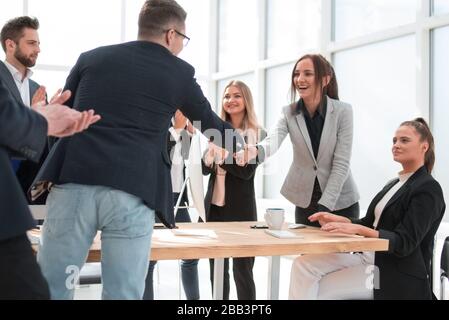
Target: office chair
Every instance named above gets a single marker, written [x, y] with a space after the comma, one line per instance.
[444, 267]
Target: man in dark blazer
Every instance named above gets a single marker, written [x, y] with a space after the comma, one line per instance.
[23, 132]
[20, 41]
[116, 176]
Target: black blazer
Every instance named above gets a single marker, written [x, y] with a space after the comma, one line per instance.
[136, 87]
[240, 198]
[28, 169]
[186, 140]
[409, 221]
[22, 132]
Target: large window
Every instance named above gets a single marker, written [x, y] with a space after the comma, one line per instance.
[277, 96]
[383, 68]
[12, 10]
[51, 79]
[7, 12]
[293, 26]
[132, 10]
[440, 114]
[379, 82]
[238, 34]
[440, 7]
[197, 51]
[356, 18]
[90, 24]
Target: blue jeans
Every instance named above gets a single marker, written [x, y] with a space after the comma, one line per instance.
[75, 213]
[189, 268]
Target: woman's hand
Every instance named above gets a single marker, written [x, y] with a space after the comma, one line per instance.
[220, 154]
[350, 228]
[341, 227]
[326, 217]
[215, 155]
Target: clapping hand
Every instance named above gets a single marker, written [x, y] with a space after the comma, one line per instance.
[63, 121]
[40, 97]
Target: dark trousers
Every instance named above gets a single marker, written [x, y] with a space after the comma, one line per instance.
[189, 278]
[189, 268]
[243, 278]
[20, 275]
[241, 267]
[302, 214]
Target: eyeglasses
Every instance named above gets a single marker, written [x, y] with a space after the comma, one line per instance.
[186, 39]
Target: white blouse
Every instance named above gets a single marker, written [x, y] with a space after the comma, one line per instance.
[387, 197]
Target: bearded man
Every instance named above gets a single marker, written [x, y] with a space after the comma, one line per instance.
[20, 41]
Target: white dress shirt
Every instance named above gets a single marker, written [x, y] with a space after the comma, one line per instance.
[387, 197]
[177, 167]
[22, 85]
[369, 255]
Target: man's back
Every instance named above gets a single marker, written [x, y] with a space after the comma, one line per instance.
[136, 87]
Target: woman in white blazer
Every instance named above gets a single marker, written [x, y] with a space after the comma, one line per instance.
[321, 131]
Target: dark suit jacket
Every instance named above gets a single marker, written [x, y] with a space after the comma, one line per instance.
[409, 221]
[186, 140]
[28, 169]
[136, 87]
[23, 132]
[240, 198]
[182, 214]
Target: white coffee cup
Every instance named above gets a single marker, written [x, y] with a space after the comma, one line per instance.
[274, 217]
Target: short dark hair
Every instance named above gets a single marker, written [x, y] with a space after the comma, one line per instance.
[157, 15]
[13, 29]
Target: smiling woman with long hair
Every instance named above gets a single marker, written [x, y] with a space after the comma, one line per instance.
[230, 194]
[320, 127]
[407, 212]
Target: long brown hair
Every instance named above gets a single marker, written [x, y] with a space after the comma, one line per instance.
[250, 119]
[323, 68]
[422, 128]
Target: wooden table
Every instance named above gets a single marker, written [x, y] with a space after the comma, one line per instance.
[237, 239]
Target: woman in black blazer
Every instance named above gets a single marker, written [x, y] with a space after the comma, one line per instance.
[407, 212]
[230, 194]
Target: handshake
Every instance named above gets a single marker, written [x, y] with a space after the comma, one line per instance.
[245, 156]
[217, 155]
